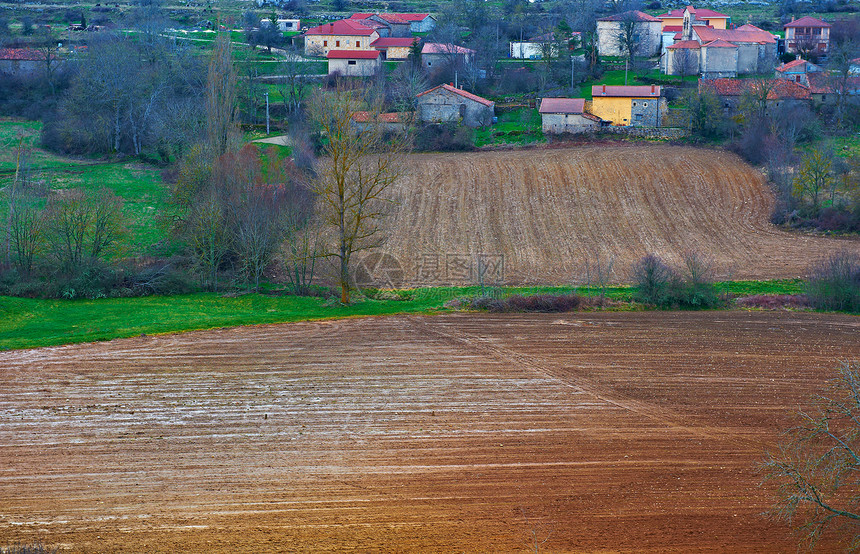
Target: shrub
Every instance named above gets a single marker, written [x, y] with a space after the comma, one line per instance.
[834, 283]
[517, 303]
[773, 301]
[656, 282]
[444, 137]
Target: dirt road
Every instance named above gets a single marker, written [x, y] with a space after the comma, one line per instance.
[591, 432]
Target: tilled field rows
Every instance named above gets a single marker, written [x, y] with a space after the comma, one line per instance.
[541, 213]
[628, 431]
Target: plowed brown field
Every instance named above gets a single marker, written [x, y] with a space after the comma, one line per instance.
[545, 210]
[613, 432]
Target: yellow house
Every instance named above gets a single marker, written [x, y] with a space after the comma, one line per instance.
[346, 34]
[637, 106]
[674, 19]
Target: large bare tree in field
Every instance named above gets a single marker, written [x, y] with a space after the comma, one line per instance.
[816, 467]
[361, 163]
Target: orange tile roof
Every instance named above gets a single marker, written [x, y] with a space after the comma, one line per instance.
[779, 88]
[388, 42]
[807, 21]
[745, 33]
[685, 45]
[22, 54]
[459, 91]
[390, 117]
[719, 43]
[440, 48]
[352, 54]
[702, 13]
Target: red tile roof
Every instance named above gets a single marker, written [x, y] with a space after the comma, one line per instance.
[562, 105]
[461, 92]
[822, 83]
[440, 48]
[673, 28]
[631, 15]
[388, 42]
[352, 54]
[22, 54]
[646, 91]
[372, 23]
[344, 27]
[745, 33]
[806, 21]
[790, 65]
[700, 13]
[406, 17]
[685, 45]
[779, 88]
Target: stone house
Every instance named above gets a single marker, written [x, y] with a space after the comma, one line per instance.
[419, 22]
[446, 103]
[637, 106]
[807, 34]
[566, 115]
[730, 91]
[21, 62]
[416, 22]
[435, 55]
[397, 26]
[354, 63]
[345, 34]
[673, 20]
[647, 31]
[797, 71]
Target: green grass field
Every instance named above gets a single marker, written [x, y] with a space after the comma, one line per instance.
[30, 323]
[521, 126]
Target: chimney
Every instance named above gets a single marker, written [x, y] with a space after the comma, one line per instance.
[653, 89]
[604, 89]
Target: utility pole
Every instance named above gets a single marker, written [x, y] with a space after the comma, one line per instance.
[267, 113]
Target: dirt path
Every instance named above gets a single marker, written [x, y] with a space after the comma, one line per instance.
[534, 216]
[607, 431]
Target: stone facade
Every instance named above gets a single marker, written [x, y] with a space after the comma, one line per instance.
[446, 103]
[647, 30]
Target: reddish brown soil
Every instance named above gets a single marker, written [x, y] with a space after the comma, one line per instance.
[480, 433]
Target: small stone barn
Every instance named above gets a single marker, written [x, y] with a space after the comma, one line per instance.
[354, 63]
[566, 115]
[448, 103]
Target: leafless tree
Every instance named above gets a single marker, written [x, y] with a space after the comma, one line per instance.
[684, 62]
[291, 84]
[352, 185]
[221, 130]
[815, 467]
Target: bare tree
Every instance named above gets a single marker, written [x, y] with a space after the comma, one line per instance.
[352, 186]
[816, 466]
[684, 62]
[221, 128]
[291, 84]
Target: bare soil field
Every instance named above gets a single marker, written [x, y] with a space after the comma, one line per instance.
[584, 432]
[538, 214]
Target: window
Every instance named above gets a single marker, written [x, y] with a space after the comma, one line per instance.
[350, 62]
[797, 78]
[358, 44]
[337, 44]
[644, 104]
[325, 43]
[634, 103]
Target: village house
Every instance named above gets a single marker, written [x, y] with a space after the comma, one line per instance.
[345, 34]
[446, 103]
[797, 71]
[637, 106]
[807, 35]
[673, 21]
[394, 48]
[436, 55]
[22, 62]
[778, 91]
[390, 121]
[646, 32]
[396, 25]
[418, 22]
[354, 63]
[566, 115]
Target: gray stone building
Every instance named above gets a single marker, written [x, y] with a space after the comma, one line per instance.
[566, 115]
[646, 34]
[354, 63]
[446, 103]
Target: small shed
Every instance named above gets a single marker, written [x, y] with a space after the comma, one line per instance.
[354, 63]
[448, 103]
[394, 48]
[566, 115]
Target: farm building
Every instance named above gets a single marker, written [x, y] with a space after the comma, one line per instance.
[417, 22]
[647, 31]
[394, 48]
[284, 25]
[797, 71]
[447, 103]
[21, 61]
[391, 121]
[566, 115]
[436, 55]
[345, 34]
[807, 34]
[637, 106]
[354, 63]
